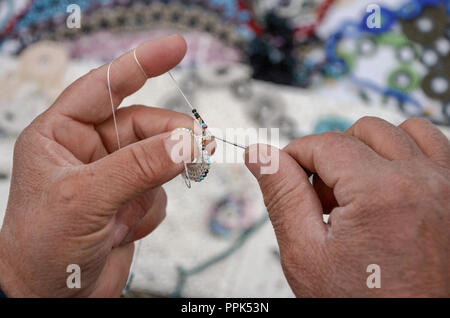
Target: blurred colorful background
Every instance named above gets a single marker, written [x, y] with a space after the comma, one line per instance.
[304, 66]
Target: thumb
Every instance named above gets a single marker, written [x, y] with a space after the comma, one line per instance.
[293, 205]
[132, 170]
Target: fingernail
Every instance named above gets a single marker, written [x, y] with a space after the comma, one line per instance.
[119, 234]
[179, 145]
[251, 160]
[259, 162]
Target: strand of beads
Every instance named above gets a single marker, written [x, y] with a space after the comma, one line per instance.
[199, 171]
[196, 171]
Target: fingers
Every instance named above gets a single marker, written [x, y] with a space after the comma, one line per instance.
[325, 195]
[114, 275]
[433, 143]
[335, 157]
[136, 123]
[129, 172]
[293, 206]
[87, 100]
[384, 138]
[152, 219]
[151, 206]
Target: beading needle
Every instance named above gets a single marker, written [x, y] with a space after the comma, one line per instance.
[230, 143]
[192, 107]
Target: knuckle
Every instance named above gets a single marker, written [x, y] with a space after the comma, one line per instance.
[95, 77]
[334, 141]
[366, 126]
[90, 77]
[413, 122]
[91, 73]
[176, 118]
[327, 140]
[399, 191]
[95, 73]
[331, 137]
[366, 120]
[437, 185]
[400, 182]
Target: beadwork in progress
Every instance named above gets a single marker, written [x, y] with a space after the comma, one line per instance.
[196, 171]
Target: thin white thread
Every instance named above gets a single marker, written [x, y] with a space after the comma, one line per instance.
[108, 76]
[187, 179]
[139, 64]
[112, 104]
[181, 92]
[192, 107]
[186, 172]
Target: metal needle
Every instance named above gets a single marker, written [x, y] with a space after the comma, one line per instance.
[230, 143]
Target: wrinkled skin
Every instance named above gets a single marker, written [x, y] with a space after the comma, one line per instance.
[387, 190]
[74, 198]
